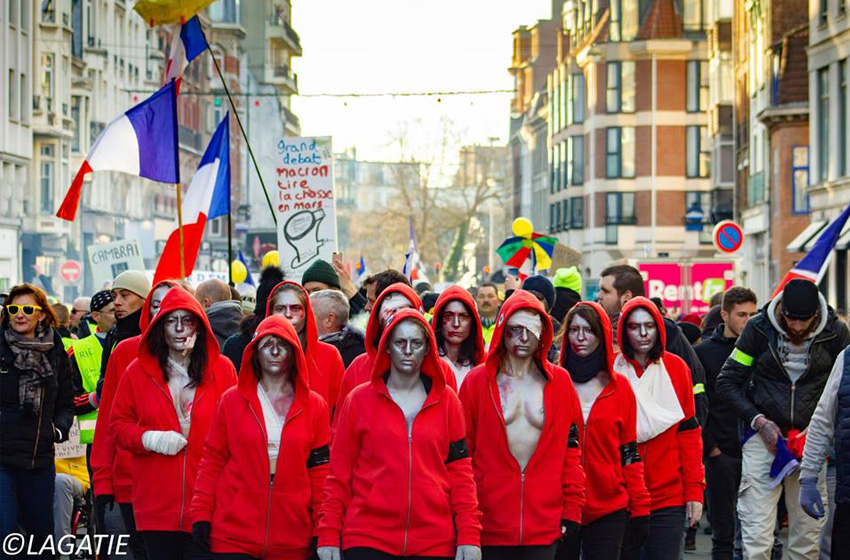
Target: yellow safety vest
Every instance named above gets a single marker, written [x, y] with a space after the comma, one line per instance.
[88, 352]
[67, 342]
[487, 333]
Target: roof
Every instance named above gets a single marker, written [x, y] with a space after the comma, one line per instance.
[662, 22]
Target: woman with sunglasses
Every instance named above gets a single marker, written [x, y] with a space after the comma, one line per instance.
[37, 409]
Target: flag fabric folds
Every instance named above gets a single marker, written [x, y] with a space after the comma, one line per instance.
[411, 257]
[208, 197]
[813, 266]
[141, 142]
[248, 279]
[188, 43]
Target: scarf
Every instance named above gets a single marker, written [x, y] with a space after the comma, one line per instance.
[658, 407]
[582, 370]
[31, 360]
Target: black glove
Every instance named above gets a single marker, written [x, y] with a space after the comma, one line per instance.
[201, 535]
[638, 531]
[569, 529]
[103, 500]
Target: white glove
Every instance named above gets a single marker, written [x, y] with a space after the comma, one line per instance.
[328, 552]
[694, 510]
[468, 552]
[166, 443]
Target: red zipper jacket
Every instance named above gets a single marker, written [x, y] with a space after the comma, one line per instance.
[323, 359]
[249, 513]
[111, 464]
[456, 293]
[673, 468]
[406, 495]
[524, 508]
[163, 484]
[608, 441]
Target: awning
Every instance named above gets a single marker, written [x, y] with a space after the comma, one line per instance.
[843, 242]
[811, 242]
[800, 241]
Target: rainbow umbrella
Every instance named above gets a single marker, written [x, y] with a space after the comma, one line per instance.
[527, 244]
[161, 12]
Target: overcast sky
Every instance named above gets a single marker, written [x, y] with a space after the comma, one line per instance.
[407, 46]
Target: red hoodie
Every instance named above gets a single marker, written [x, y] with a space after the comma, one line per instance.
[360, 370]
[323, 359]
[407, 495]
[673, 468]
[163, 484]
[456, 293]
[111, 464]
[249, 514]
[608, 441]
[524, 508]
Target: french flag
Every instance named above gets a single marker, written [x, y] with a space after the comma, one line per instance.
[141, 142]
[185, 47]
[208, 197]
[814, 264]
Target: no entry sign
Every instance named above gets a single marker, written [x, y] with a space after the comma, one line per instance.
[70, 271]
[728, 237]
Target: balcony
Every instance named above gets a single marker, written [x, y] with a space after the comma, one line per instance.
[279, 28]
[284, 78]
[291, 117]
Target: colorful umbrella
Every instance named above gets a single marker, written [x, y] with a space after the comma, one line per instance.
[527, 244]
[161, 12]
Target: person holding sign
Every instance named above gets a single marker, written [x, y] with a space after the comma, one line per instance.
[272, 413]
[163, 410]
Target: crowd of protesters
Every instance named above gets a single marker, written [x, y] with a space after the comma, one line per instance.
[511, 422]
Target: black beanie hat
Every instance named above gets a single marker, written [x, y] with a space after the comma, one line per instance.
[543, 286]
[100, 300]
[800, 299]
[321, 271]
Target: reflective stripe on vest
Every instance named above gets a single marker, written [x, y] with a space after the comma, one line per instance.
[67, 342]
[88, 352]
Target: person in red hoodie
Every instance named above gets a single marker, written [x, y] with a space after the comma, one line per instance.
[668, 434]
[400, 482]
[162, 413]
[111, 476]
[522, 418]
[290, 300]
[617, 498]
[457, 328]
[259, 484]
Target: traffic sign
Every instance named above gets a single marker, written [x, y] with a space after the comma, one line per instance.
[70, 271]
[728, 237]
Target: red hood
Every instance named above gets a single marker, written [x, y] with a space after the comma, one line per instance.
[374, 325]
[312, 333]
[633, 304]
[275, 325]
[520, 299]
[606, 329]
[431, 367]
[178, 298]
[145, 319]
[456, 293]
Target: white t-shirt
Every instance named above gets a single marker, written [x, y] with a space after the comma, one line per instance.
[274, 425]
[587, 393]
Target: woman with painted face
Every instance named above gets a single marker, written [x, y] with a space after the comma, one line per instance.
[162, 413]
[617, 499]
[260, 480]
[37, 409]
[400, 482]
[457, 328]
[668, 435]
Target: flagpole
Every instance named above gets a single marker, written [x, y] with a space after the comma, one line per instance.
[180, 229]
[230, 248]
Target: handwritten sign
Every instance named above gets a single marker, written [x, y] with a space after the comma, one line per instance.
[108, 260]
[304, 201]
[72, 447]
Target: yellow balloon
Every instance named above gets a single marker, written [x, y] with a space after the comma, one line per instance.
[522, 227]
[238, 272]
[272, 258]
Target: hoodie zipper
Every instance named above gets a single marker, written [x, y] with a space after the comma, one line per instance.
[38, 428]
[587, 423]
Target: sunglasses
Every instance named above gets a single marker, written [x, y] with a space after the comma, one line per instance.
[29, 310]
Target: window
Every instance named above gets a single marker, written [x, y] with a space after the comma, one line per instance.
[75, 116]
[556, 161]
[620, 153]
[24, 100]
[578, 92]
[551, 218]
[800, 179]
[13, 12]
[619, 210]
[13, 96]
[697, 85]
[620, 89]
[25, 14]
[576, 160]
[48, 12]
[47, 60]
[215, 227]
[822, 11]
[694, 15]
[565, 214]
[698, 153]
[700, 201]
[558, 219]
[552, 170]
[823, 124]
[842, 7]
[624, 20]
[842, 118]
[47, 169]
[577, 212]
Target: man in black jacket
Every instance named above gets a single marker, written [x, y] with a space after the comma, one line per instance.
[773, 380]
[721, 440]
[331, 310]
[620, 283]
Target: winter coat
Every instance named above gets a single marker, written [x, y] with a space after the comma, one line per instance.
[403, 493]
[524, 507]
[722, 428]
[163, 484]
[124, 328]
[251, 513]
[225, 318]
[350, 342]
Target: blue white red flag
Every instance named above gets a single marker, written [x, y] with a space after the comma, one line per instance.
[188, 43]
[814, 264]
[248, 279]
[411, 257]
[141, 142]
[360, 267]
[208, 197]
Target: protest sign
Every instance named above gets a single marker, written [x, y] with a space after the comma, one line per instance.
[71, 448]
[686, 287]
[108, 260]
[304, 201]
